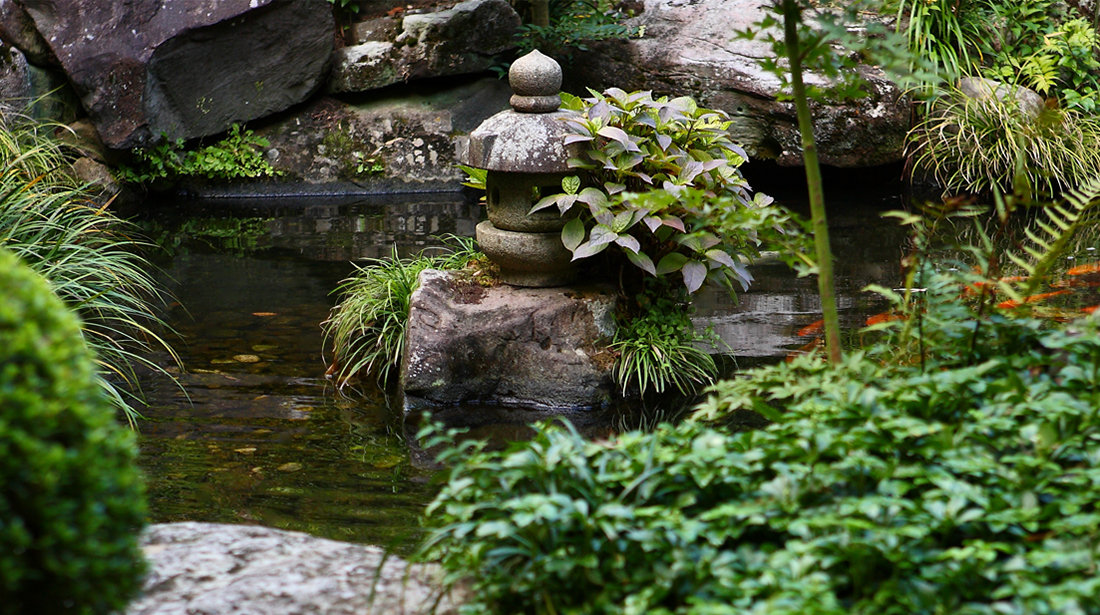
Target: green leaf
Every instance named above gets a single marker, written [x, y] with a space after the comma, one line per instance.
[587, 249]
[695, 273]
[641, 260]
[571, 184]
[572, 234]
[671, 263]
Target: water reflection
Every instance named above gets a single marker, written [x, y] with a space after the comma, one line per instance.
[261, 437]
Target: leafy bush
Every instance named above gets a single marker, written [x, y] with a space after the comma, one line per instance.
[944, 33]
[973, 145]
[71, 498]
[969, 488]
[658, 178]
[238, 156]
[65, 232]
[367, 328]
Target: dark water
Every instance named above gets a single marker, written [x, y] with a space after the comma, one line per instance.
[261, 437]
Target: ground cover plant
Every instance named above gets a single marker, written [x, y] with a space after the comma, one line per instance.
[67, 232]
[965, 481]
[71, 497]
[239, 155]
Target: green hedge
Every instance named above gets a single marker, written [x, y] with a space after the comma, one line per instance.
[71, 499]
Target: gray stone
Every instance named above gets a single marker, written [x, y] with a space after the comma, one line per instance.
[18, 30]
[460, 40]
[514, 346]
[411, 132]
[508, 201]
[978, 88]
[535, 80]
[40, 93]
[689, 48]
[534, 260]
[521, 143]
[214, 569]
[187, 68]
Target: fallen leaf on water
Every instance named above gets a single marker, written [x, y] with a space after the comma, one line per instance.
[264, 347]
[264, 314]
[814, 328]
[222, 361]
[293, 466]
[248, 450]
[246, 358]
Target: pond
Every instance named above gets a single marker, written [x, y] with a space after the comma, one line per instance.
[257, 435]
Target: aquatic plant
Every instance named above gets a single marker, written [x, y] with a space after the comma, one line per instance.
[366, 329]
[71, 497]
[66, 232]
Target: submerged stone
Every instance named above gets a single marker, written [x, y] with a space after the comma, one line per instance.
[540, 347]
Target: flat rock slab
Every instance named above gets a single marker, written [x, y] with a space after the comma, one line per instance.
[537, 347]
[216, 569]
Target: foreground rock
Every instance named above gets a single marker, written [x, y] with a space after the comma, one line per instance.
[689, 48]
[505, 345]
[187, 68]
[213, 569]
[464, 39]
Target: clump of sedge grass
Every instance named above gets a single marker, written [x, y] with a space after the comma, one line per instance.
[972, 145]
[65, 231]
[367, 328]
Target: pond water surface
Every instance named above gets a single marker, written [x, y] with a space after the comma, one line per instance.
[258, 435]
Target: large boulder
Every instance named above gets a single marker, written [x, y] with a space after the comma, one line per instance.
[401, 139]
[187, 68]
[216, 569]
[18, 30]
[463, 39]
[689, 48]
[537, 347]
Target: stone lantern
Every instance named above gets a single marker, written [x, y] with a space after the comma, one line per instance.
[524, 152]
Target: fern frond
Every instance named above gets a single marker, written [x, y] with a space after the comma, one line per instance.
[1050, 235]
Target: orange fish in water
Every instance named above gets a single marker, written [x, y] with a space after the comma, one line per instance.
[814, 328]
[1007, 305]
[884, 317]
[1084, 269]
[1089, 310]
[813, 345]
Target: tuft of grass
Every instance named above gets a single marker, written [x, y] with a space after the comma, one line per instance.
[65, 231]
[657, 348]
[367, 328]
[973, 145]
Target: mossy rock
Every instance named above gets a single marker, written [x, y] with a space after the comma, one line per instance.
[72, 501]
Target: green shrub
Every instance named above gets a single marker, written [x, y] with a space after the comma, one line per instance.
[658, 179]
[71, 498]
[966, 489]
